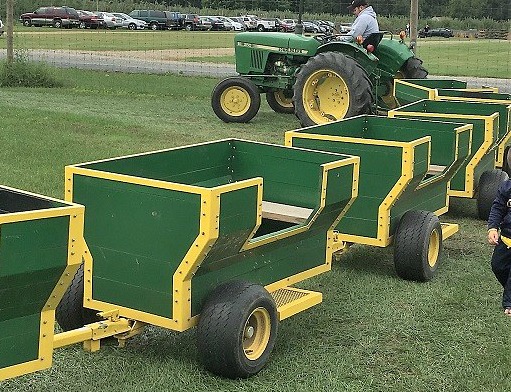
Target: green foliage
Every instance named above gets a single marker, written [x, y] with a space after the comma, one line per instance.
[25, 73]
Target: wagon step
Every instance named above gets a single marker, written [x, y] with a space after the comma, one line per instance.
[291, 300]
[448, 229]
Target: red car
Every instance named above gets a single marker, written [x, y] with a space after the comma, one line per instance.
[90, 20]
[51, 16]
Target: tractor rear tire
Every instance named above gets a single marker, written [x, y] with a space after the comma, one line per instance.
[237, 329]
[70, 313]
[417, 246]
[329, 87]
[279, 102]
[236, 99]
[489, 183]
[413, 69]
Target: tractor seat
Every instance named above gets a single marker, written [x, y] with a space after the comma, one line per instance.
[373, 39]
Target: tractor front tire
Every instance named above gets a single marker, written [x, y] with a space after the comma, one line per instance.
[417, 246]
[280, 101]
[237, 330]
[329, 87]
[413, 69]
[70, 313]
[489, 183]
[235, 99]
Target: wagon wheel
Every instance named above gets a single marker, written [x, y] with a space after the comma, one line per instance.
[411, 69]
[329, 87]
[235, 100]
[237, 330]
[281, 101]
[489, 183]
[70, 313]
[417, 246]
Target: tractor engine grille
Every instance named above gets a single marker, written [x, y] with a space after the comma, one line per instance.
[256, 59]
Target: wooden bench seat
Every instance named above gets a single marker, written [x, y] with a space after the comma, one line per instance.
[285, 212]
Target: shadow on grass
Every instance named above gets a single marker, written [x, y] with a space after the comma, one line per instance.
[367, 260]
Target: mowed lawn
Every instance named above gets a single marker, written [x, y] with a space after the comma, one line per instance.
[441, 56]
[373, 331]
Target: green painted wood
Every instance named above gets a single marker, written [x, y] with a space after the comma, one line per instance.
[273, 261]
[33, 257]
[474, 94]
[478, 113]
[137, 236]
[438, 83]
[19, 341]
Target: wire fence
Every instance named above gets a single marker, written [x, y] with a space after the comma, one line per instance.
[473, 49]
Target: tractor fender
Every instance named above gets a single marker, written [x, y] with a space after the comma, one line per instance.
[367, 60]
[392, 55]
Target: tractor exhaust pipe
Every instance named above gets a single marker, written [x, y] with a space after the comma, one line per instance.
[299, 25]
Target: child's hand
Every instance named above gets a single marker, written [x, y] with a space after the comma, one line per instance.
[493, 236]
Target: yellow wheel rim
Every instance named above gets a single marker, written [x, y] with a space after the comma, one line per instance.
[326, 97]
[433, 248]
[235, 101]
[282, 100]
[256, 333]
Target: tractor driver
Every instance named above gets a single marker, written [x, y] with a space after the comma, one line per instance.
[365, 24]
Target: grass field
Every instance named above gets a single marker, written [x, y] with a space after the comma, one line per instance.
[373, 331]
[456, 57]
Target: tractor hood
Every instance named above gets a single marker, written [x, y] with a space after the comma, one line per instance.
[285, 43]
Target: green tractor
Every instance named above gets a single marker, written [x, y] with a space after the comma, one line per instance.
[319, 78]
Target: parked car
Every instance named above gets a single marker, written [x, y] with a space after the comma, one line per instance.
[130, 23]
[283, 26]
[231, 24]
[345, 28]
[290, 24]
[324, 27]
[191, 21]
[311, 27]
[250, 21]
[204, 23]
[1, 27]
[110, 20]
[158, 19]
[90, 20]
[239, 19]
[51, 16]
[216, 24]
[438, 32]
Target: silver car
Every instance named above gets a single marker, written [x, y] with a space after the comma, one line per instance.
[129, 22]
[111, 21]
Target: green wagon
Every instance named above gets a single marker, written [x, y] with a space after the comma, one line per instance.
[41, 243]
[214, 235]
[412, 90]
[478, 176]
[405, 169]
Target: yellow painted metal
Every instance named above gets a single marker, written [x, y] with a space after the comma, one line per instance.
[235, 101]
[292, 300]
[92, 334]
[449, 229]
[256, 333]
[331, 90]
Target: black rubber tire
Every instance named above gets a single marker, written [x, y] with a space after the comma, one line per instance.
[275, 102]
[70, 313]
[246, 89]
[414, 259]
[361, 97]
[506, 164]
[189, 27]
[82, 25]
[153, 26]
[413, 69]
[57, 23]
[489, 183]
[223, 325]
[132, 26]
[27, 22]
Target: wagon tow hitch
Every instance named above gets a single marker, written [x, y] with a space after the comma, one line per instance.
[91, 334]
